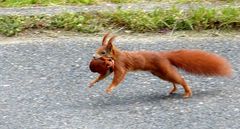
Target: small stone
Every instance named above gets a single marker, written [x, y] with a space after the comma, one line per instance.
[182, 111]
[4, 85]
[150, 89]
[128, 31]
[236, 109]
[146, 108]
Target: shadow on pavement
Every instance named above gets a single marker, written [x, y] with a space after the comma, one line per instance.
[151, 98]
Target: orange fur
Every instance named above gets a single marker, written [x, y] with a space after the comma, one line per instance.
[163, 64]
[200, 62]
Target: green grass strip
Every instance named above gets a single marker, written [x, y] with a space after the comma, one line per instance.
[23, 3]
[136, 21]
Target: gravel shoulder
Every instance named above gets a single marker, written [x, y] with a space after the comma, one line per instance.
[44, 79]
[29, 36]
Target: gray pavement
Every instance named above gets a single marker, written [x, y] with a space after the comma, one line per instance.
[43, 85]
[52, 10]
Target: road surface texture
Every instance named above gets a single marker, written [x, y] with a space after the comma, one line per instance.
[51, 10]
[43, 85]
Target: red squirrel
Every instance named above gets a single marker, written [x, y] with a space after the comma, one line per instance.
[161, 64]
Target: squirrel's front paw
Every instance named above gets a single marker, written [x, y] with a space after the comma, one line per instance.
[109, 90]
[91, 85]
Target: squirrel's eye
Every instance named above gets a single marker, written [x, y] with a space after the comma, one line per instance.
[103, 52]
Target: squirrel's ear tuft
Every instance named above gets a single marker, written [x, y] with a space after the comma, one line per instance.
[111, 39]
[110, 43]
[104, 43]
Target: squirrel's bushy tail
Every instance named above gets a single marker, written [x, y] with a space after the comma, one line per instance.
[200, 62]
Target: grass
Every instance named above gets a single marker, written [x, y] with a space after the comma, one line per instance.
[135, 21]
[194, 19]
[21, 3]
[200, 1]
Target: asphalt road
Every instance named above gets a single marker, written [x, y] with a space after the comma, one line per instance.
[52, 10]
[43, 84]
